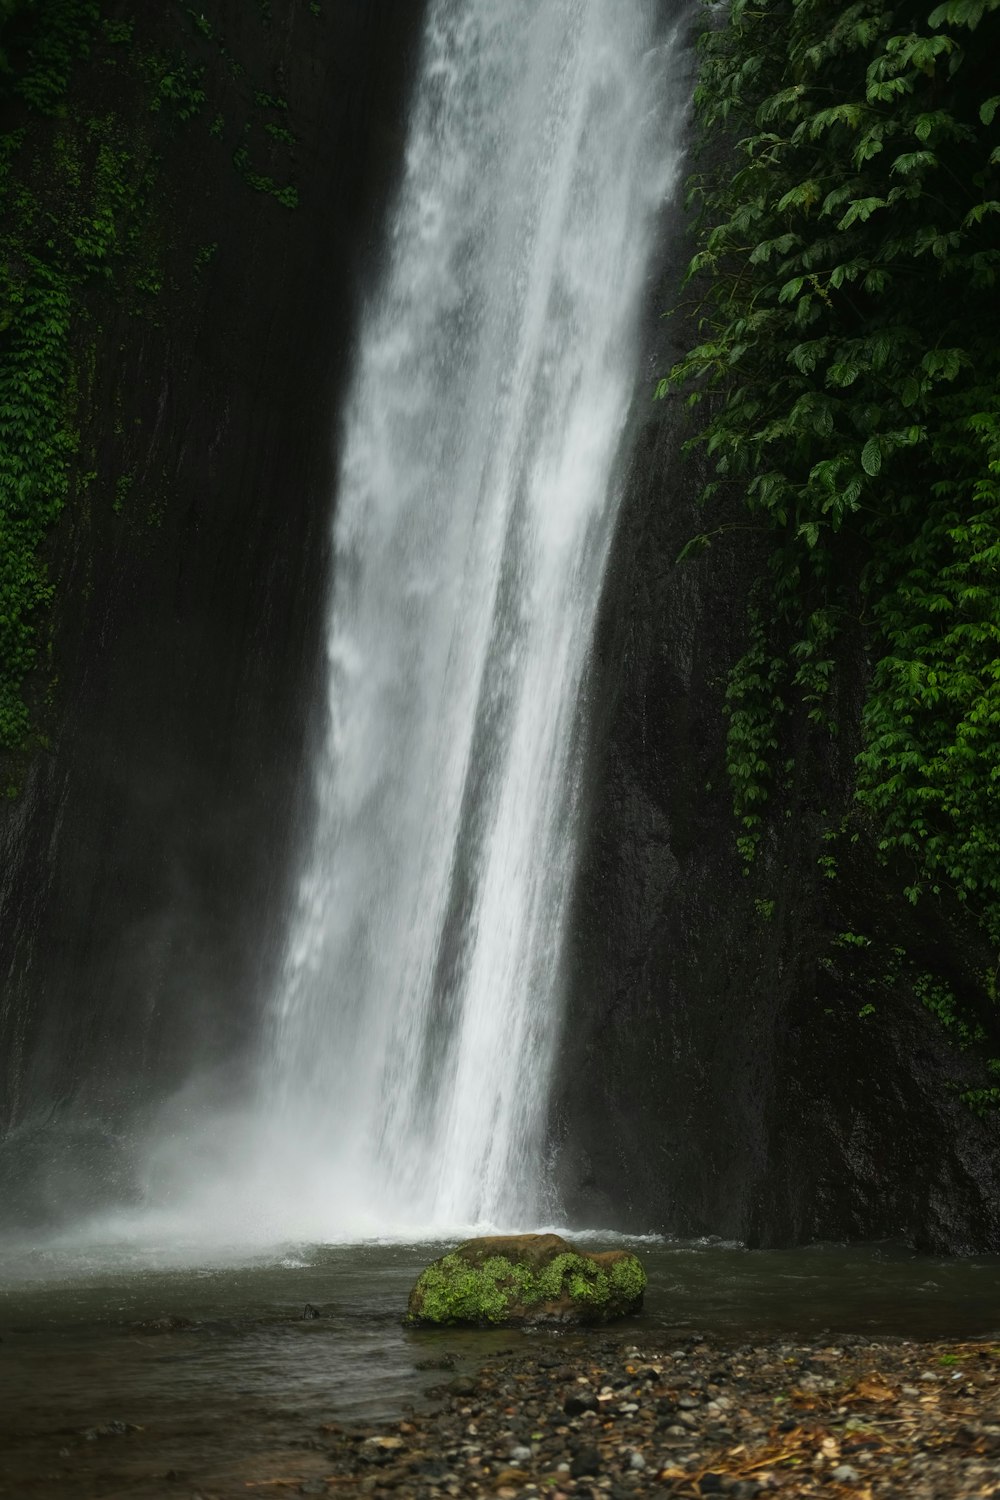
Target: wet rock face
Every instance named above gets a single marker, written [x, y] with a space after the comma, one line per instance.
[144, 868]
[728, 1065]
[513, 1280]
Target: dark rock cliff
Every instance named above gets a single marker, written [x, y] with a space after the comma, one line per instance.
[747, 1054]
[146, 860]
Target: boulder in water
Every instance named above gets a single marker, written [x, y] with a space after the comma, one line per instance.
[526, 1278]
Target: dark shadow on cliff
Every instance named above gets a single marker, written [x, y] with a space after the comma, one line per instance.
[147, 861]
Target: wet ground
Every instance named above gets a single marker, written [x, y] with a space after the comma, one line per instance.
[684, 1419]
[117, 1371]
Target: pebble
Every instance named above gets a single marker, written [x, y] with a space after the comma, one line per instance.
[535, 1423]
[587, 1461]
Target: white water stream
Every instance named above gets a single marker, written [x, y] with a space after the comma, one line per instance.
[413, 1040]
[406, 1072]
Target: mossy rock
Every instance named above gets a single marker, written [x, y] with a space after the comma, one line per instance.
[526, 1278]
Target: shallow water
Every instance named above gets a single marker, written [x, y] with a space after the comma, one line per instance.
[87, 1341]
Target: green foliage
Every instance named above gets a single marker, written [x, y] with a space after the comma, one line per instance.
[279, 133]
[75, 192]
[871, 965]
[77, 196]
[40, 40]
[42, 256]
[200, 22]
[847, 273]
[118, 33]
[177, 86]
[826, 862]
[982, 1102]
[754, 703]
[287, 194]
[931, 763]
[941, 1002]
[36, 443]
[123, 488]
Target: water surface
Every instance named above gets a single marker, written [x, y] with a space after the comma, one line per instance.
[217, 1367]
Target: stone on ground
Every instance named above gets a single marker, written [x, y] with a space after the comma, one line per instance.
[526, 1278]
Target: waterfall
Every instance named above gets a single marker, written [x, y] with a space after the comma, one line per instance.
[405, 1063]
[412, 1042]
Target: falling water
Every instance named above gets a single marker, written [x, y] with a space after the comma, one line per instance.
[413, 1039]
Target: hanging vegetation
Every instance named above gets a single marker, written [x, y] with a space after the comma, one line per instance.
[847, 374]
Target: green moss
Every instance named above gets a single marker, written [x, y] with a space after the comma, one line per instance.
[456, 1290]
[628, 1279]
[453, 1292]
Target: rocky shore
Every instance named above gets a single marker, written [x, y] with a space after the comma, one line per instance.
[689, 1418]
[583, 1414]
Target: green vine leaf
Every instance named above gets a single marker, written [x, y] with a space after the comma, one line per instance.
[845, 381]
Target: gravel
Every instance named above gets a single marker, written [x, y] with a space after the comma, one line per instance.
[859, 1418]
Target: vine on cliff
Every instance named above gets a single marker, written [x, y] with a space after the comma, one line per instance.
[847, 273]
[37, 436]
[80, 241]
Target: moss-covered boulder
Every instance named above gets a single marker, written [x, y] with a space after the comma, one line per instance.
[526, 1278]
